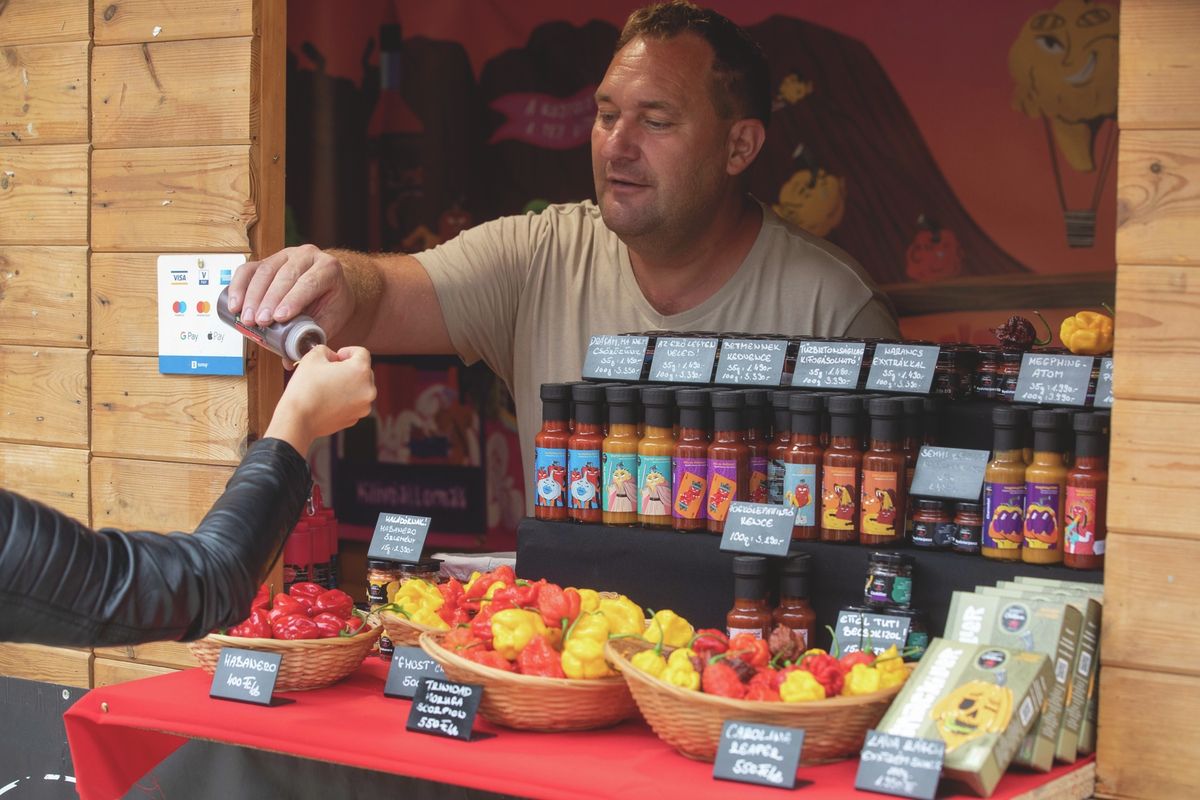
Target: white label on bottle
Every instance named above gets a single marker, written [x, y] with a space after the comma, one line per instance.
[755, 632]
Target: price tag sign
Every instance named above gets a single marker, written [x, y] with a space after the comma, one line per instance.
[409, 666]
[750, 752]
[758, 528]
[399, 537]
[245, 675]
[751, 362]
[903, 368]
[855, 629]
[951, 473]
[1054, 380]
[680, 360]
[828, 365]
[900, 765]
[615, 358]
[1104, 394]
[445, 708]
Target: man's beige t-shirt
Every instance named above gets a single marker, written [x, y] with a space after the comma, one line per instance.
[526, 293]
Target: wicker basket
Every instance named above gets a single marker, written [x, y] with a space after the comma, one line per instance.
[306, 663]
[691, 722]
[527, 702]
[401, 631]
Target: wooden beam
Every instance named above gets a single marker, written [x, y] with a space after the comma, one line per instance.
[1072, 290]
[45, 391]
[43, 296]
[1157, 308]
[43, 194]
[124, 21]
[56, 476]
[160, 496]
[1154, 468]
[25, 21]
[1158, 198]
[1159, 85]
[35, 662]
[43, 93]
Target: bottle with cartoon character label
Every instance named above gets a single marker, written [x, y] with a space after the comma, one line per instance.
[550, 453]
[1087, 490]
[1004, 488]
[728, 458]
[802, 470]
[689, 462]
[583, 454]
[1045, 488]
[781, 442]
[840, 469]
[754, 423]
[654, 457]
[619, 454]
[882, 500]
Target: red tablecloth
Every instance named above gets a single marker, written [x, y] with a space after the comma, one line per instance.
[119, 733]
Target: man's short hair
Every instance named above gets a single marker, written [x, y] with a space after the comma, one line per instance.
[741, 82]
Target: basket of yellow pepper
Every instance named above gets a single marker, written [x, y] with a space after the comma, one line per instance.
[687, 691]
[538, 651]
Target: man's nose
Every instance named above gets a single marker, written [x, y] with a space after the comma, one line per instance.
[620, 142]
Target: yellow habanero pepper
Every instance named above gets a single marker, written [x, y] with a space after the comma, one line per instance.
[623, 615]
[589, 600]
[422, 593]
[650, 661]
[513, 628]
[862, 680]
[680, 671]
[583, 648]
[801, 686]
[1088, 333]
[669, 629]
[428, 618]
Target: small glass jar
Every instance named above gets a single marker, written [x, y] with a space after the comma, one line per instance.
[889, 580]
[429, 570]
[1010, 370]
[932, 525]
[968, 528]
[918, 633]
[381, 573]
[987, 373]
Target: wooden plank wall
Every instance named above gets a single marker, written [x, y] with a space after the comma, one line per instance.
[128, 129]
[1150, 681]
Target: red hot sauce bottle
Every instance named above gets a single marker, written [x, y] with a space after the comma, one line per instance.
[881, 513]
[1087, 495]
[840, 472]
[755, 423]
[802, 475]
[781, 442]
[728, 458]
[584, 464]
[750, 612]
[689, 462]
[794, 610]
[550, 453]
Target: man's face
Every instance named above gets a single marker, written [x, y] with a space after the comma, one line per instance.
[659, 148]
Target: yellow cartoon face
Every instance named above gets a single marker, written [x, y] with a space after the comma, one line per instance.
[972, 710]
[654, 479]
[1064, 67]
[813, 203]
[621, 475]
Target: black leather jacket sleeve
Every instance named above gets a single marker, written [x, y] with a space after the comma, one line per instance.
[64, 584]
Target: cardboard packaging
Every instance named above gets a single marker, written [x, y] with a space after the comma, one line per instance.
[981, 700]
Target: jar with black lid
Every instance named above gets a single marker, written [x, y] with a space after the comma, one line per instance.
[889, 580]
[968, 528]
[428, 570]
[932, 524]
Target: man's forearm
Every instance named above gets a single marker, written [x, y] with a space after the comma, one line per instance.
[365, 280]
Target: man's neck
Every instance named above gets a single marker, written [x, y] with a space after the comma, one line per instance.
[679, 275]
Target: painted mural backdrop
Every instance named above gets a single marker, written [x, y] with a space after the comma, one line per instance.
[933, 140]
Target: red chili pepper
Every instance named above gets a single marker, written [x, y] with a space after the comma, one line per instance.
[558, 606]
[708, 642]
[454, 616]
[827, 670]
[460, 639]
[489, 658]
[539, 658]
[751, 649]
[334, 601]
[861, 657]
[481, 626]
[329, 624]
[764, 685]
[286, 604]
[352, 626]
[306, 589]
[452, 593]
[255, 626]
[720, 679]
[295, 626]
[483, 582]
[263, 598]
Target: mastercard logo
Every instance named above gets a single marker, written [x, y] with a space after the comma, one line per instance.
[203, 307]
[179, 306]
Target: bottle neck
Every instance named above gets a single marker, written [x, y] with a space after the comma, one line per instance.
[554, 425]
[1005, 440]
[587, 414]
[805, 424]
[794, 586]
[1090, 446]
[728, 420]
[885, 433]
[555, 411]
[750, 589]
[728, 437]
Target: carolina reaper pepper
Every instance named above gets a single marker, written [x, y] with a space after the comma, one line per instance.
[708, 642]
[1088, 333]
[826, 669]
[489, 658]
[583, 647]
[720, 679]
[539, 658]
[764, 685]
[751, 649]
[513, 629]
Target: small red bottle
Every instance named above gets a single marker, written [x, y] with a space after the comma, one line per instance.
[550, 453]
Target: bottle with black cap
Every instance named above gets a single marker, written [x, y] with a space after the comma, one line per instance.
[794, 610]
[550, 453]
[882, 500]
[840, 470]
[802, 471]
[728, 458]
[689, 462]
[654, 457]
[583, 454]
[781, 442]
[1045, 488]
[1087, 495]
[750, 612]
[756, 424]
[619, 456]
[1004, 487]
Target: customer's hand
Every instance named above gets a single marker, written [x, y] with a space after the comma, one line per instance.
[328, 392]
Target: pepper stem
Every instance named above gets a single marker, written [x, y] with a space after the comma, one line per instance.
[833, 644]
[1049, 331]
[1109, 309]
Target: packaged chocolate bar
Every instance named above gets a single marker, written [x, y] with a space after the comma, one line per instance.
[1009, 619]
[981, 700]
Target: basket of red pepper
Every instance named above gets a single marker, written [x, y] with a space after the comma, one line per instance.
[687, 693]
[319, 633]
[418, 606]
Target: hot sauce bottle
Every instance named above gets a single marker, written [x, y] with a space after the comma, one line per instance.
[583, 454]
[654, 457]
[781, 442]
[619, 457]
[794, 610]
[802, 476]
[840, 472]
[1004, 488]
[881, 513]
[750, 612]
[755, 423]
[550, 453]
[1045, 490]
[1087, 495]
[728, 458]
[689, 461]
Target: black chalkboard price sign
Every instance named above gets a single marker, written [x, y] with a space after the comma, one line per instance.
[857, 630]
[245, 675]
[615, 358]
[751, 362]
[399, 537]
[1053, 379]
[445, 708]
[903, 368]
[1104, 388]
[900, 765]
[683, 360]
[951, 473]
[409, 666]
[828, 365]
[751, 752]
[758, 528]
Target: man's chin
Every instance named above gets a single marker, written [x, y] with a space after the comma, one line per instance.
[624, 220]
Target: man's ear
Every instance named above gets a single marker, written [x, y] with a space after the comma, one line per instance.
[746, 137]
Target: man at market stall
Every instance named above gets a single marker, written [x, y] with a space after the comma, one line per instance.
[63, 584]
[674, 241]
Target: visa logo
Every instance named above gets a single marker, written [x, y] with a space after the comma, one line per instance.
[179, 276]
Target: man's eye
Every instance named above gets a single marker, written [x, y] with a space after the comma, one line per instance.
[606, 118]
[657, 125]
